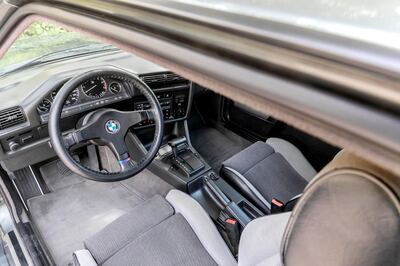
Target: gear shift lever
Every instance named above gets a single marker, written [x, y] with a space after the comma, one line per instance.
[183, 157]
[176, 144]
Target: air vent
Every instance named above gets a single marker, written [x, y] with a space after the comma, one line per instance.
[11, 117]
[162, 79]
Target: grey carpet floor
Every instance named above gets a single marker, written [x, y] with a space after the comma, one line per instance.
[217, 145]
[78, 208]
[57, 176]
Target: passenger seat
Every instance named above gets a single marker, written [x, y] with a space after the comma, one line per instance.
[263, 171]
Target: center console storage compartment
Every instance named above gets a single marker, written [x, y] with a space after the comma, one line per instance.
[215, 194]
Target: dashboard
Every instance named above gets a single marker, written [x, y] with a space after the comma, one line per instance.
[29, 95]
[172, 91]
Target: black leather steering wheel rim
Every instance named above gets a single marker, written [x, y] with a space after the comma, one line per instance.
[61, 143]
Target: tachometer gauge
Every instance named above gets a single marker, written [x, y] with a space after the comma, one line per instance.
[44, 106]
[72, 98]
[95, 87]
[114, 87]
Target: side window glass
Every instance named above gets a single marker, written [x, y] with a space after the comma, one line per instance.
[44, 41]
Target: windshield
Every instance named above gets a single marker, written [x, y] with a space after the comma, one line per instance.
[372, 21]
[41, 39]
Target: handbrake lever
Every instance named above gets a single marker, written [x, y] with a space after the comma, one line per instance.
[231, 217]
[215, 193]
[224, 203]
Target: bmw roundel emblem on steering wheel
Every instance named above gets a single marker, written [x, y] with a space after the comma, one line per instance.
[112, 126]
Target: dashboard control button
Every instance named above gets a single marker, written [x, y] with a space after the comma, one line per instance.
[13, 146]
[180, 112]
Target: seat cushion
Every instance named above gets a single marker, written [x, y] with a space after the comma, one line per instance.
[276, 178]
[261, 174]
[294, 157]
[202, 225]
[171, 242]
[159, 232]
[128, 227]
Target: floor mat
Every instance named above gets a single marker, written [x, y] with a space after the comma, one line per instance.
[217, 145]
[78, 208]
[57, 176]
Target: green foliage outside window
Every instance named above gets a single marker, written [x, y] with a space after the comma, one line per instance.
[41, 38]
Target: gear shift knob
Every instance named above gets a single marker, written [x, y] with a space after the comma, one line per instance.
[177, 143]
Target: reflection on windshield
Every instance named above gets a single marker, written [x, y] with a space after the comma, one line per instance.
[367, 20]
[42, 38]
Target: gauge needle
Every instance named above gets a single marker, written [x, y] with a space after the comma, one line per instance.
[91, 88]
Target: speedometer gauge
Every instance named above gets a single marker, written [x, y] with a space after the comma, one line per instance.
[95, 87]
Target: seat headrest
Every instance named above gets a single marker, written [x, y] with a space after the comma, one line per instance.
[348, 215]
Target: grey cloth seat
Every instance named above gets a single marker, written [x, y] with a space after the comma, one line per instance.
[154, 220]
[352, 203]
[162, 231]
[177, 231]
[263, 171]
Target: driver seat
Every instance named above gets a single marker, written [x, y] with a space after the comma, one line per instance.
[348, 215]
[174, 230]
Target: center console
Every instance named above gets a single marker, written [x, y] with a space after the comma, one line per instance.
[182, 157]
[179, 164]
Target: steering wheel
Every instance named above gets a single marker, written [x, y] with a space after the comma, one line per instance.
[107, 127]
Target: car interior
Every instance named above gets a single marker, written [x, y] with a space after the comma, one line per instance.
[111, 159]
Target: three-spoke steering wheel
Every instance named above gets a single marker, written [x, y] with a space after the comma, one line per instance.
[105, 126]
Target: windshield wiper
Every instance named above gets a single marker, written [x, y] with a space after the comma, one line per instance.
[56, 55]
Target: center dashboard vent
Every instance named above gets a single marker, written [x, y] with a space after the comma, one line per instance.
[160, 79]
[11, 117]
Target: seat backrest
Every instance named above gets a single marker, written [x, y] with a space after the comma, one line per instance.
[348, 215]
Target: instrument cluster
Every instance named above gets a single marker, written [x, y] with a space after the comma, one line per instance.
[89, 91]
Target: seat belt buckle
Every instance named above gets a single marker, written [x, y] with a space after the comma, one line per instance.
[233, 233]
[277, 206]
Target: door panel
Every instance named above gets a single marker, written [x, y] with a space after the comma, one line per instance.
[248, 122]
